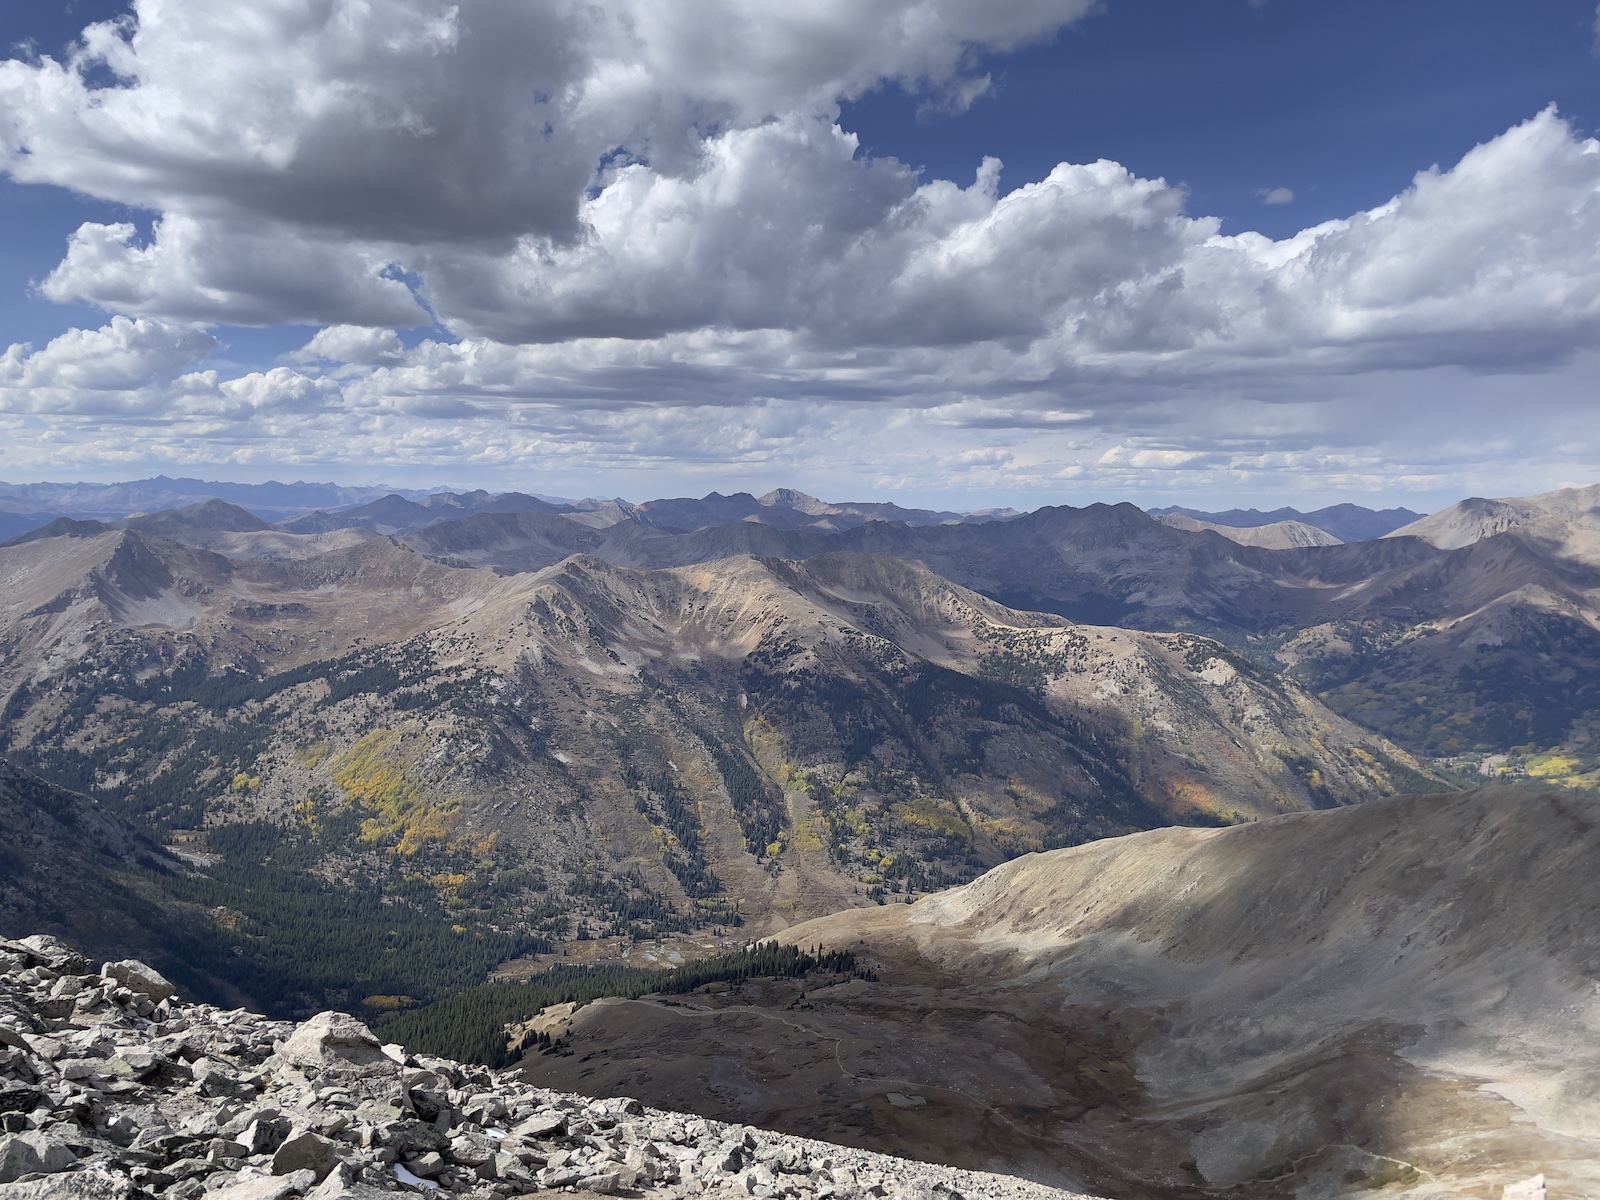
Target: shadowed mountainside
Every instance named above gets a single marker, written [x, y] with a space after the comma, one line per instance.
[1398, 995]
[73, 869]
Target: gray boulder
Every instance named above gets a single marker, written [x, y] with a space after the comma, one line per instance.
[265, 1187]
[472, 1150]
[427, 1166]
[542, 1125]
[219, 1080]
[415, 1137]
[334, 1188]
[32, 1154]
[94, 1183]
[335, 1041]
[140, 977]
[52, 950]
[306, 1152]
[265, 1133]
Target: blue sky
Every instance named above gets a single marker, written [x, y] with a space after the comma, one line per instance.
[1341, 102]
[695, 279]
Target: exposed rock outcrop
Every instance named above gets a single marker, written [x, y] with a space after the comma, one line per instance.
[113, 1089]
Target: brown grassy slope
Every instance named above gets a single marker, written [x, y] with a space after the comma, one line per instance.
[1397, 994]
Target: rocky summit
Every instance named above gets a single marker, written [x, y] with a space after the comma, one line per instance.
[111, 1088]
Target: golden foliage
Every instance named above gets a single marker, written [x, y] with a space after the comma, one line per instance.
[936, 816]
[312, 756]
[374, 773]
[448, 884]
[306, 810]
[479, 845]
[1553, 766]
[1012, 835]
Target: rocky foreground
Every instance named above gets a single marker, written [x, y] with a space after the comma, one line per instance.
[113, 1089]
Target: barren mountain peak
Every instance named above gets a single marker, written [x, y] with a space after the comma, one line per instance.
[790, 498]
[1276, 535]
[1549, 514]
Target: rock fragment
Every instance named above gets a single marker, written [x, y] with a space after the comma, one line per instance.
[306, 1152]
[542, 1125]
[92, 1183]
[140, 978]
[32, 1154]
[334, 1041]
[55, 953]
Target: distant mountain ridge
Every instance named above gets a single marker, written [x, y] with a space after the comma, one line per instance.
[303, 507]
[114, 500]
[208, 516]
[1470, 632]
[783, 508]
[1347, 522]
[326, 507]
[1549, 515]
[1279, 535]
[28, 506]
[788, 508]
[395, 514]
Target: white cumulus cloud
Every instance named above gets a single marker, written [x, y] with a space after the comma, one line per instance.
[410, 120]
[1089, 271]
[641, 223]
[126, 361]
[551, 173]
[355, 344]
[191, 269]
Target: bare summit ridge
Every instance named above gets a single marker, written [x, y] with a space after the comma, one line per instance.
[1184, 1011]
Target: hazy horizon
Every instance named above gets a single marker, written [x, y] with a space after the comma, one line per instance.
[934, 502]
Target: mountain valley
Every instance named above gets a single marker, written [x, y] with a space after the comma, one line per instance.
[712, 725]
[372, 756]
[590, 751]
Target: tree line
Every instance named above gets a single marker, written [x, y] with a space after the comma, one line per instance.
[471, 1026]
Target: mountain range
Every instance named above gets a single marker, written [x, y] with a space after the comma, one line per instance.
[322, 507]
[584, 732]
[25, 506]
[590, 750]
[1345, 522]
[367, 755]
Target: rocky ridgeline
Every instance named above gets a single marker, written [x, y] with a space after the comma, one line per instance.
[111, 1089]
